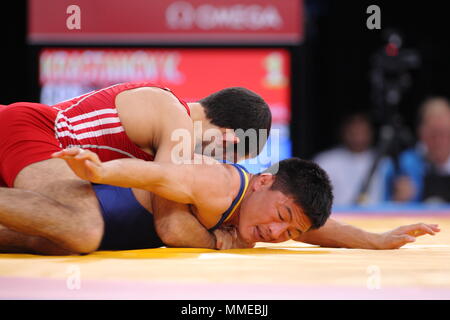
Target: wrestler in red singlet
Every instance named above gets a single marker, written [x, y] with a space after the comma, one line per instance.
[31, 132]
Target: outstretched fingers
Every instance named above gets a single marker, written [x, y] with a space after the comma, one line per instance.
[77, 154]
[420, 229]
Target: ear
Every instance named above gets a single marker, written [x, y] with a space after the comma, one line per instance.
[263, 181]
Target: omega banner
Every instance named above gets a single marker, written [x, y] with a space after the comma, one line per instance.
[266, 22]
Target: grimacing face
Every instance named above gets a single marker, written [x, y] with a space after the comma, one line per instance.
[269, 215]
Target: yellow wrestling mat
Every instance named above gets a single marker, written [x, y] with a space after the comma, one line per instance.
[288, 270]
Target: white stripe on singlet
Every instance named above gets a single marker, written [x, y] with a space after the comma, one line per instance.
[90, 134]
[96, 112]
[91, 114]
[90, 124]
[98, 133]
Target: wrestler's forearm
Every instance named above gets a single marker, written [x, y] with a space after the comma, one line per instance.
[188, 233]
[129, 173]
[177, 227]
[337, 234]
[173, 182]
[182, 183]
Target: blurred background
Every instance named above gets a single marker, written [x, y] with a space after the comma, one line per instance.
[365, 96]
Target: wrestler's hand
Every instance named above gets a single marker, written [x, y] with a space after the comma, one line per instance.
[227, 237]
[400, 236]
[84, 163]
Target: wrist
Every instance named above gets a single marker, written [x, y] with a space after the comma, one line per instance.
[374, 241]
[108, 172]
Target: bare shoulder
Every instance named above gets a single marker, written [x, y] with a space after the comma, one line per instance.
[215, 187]
[149, 99]
[215, 183]
[220, 178]
[149, 113]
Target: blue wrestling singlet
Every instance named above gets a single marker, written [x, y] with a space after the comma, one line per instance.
[128, 225]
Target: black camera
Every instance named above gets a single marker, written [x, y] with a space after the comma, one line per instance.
[390, 78]
[390, 75]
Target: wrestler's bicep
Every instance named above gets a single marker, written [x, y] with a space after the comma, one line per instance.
[152, 117]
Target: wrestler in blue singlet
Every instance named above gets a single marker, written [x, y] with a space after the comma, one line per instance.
[128, 225]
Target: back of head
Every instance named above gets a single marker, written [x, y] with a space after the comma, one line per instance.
[308, 184]
[239, 108]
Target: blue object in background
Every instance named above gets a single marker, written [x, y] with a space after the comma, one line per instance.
[277, 148]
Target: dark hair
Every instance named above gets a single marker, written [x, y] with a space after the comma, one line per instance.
[309, 185]
[239, 108]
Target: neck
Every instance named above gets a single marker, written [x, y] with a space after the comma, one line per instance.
[197, 111]
[198, 119]
[235, 218]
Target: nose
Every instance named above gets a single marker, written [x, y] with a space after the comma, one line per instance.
[277, 229]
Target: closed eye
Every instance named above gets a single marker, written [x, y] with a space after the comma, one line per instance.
[279, 215]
